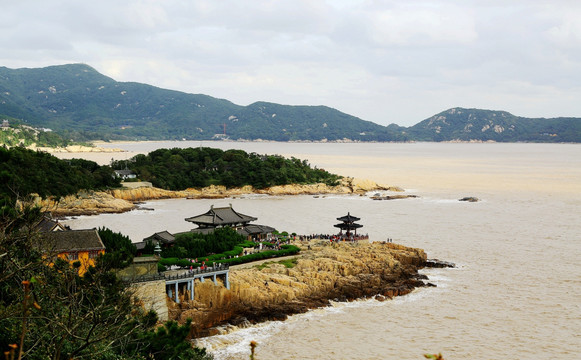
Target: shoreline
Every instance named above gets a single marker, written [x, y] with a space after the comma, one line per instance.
[337, 272]
[127, 199]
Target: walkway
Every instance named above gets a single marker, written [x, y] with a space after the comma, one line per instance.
[186, 280]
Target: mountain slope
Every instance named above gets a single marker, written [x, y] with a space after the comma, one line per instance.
[489, 125]
[78, 99]
[82, 104]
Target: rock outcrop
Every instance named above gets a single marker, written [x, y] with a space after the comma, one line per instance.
[338, 272]
[346, 186]
[394, 197]
[84, 203]
[123, 199]
[146, 193]
[151, 296]
[74, 149]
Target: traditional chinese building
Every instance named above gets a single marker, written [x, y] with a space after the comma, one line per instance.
[348, 224]
[227, 216]
[75, 245]
[219, 217]
[207, 222]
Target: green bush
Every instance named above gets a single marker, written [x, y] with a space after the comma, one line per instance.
[184, 263]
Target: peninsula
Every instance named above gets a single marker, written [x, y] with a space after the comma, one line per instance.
[323, 272]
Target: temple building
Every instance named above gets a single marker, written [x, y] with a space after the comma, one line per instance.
[227, 216]
[219, 217]
[348, 224]
[214, 218]
[83, 246]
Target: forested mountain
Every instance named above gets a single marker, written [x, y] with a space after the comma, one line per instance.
[82, 104]
[78, 100]
[14, 134]
[487, 125]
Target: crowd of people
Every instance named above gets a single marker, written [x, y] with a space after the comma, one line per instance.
[334, 238]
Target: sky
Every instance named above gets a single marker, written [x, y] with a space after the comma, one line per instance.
[382, 61]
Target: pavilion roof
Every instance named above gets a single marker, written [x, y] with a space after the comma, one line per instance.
[163, 236]
[348, 226]
[348, 218]
[253, 229]
[220, 217]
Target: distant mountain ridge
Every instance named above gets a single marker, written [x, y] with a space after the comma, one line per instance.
[83, 104]
[488, 125]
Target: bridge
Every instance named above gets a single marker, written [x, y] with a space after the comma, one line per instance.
[185, 280]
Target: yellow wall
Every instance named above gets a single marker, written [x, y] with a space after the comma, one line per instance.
[83, 257]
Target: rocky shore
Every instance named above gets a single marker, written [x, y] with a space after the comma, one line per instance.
[74, 149]
[326, 272]
[125, 199]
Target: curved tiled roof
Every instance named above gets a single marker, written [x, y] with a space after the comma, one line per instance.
[74, 240]
[348, 218]
[220, 217]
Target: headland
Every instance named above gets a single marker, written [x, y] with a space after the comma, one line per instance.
[321, 273]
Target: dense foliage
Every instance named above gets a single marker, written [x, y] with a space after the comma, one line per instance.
[178, 169]
[193, 245]
[229, 257]
[118, 247]
[23, 172]
[50, 312]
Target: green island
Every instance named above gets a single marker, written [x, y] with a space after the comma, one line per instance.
[179, 169]
[24, 172]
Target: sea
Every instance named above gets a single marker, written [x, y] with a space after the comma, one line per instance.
[515, 292]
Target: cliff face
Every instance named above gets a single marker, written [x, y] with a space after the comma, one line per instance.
[346, 186]
[121, 200]
[146, 193]
[328, 272]
[84, 203]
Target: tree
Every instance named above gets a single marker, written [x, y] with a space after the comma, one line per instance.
[52, 312]
[119, 248]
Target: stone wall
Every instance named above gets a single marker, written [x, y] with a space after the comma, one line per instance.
[152, 296]
[141, 266]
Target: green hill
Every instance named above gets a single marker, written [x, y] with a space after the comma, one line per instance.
[81, 104]
[488, 125]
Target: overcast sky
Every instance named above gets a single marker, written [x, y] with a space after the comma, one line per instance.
[383, 61]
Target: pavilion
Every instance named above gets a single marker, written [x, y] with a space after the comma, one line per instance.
[227, 216]
[348, 223]
[207, 222]
[220, 217]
